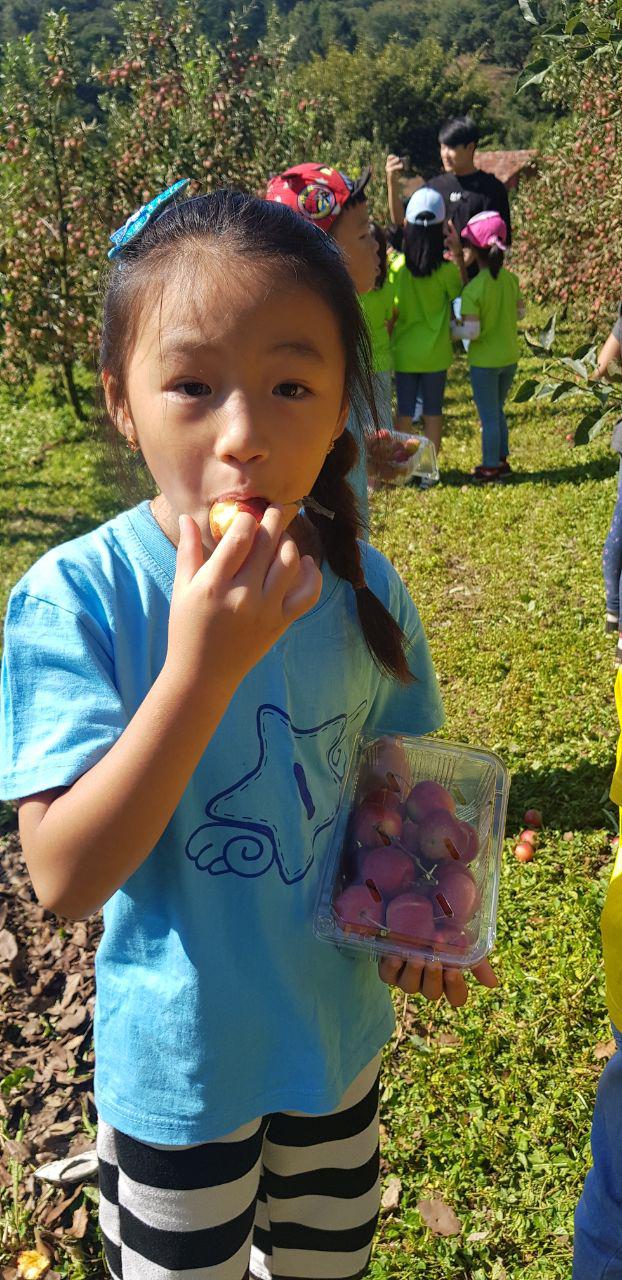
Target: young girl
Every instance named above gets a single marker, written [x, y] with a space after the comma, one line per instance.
[491, 306]
[178, 715]
[380, 312]
[425, 285]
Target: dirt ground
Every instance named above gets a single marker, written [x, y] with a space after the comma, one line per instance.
[46, 1062]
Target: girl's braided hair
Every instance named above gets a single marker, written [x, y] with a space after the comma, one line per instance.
[261, 231]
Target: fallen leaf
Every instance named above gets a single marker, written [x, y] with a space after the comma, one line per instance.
[8, 947]
[79, 1223]
[440, 1219]
[391, 1194]
[605, 1049]
[474, 1237]
[449, 1040]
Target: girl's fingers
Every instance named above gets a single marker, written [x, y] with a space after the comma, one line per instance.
[305, 592]
[389, 969]
[432, 985]
[189, 552]
[485, 974]
[455, 986]
[266, 540]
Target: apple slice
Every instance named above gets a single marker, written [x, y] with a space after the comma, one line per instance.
[223, 513]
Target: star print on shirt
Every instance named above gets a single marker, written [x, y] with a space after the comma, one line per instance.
[242, 834]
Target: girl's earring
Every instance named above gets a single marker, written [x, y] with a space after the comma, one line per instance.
[330, 447]
[132, 444]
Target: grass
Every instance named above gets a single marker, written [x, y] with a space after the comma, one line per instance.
[488, 1107]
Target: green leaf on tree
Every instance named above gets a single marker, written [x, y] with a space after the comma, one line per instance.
[525, 391]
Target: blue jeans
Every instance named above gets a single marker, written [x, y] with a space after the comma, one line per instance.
[612, 557]
[490, 388]
[598, 1217]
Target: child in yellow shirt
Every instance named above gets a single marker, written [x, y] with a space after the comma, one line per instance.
[598, 1218]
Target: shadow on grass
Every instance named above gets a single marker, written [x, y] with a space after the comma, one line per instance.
[574, 799]
[26, 523]
[595, 469]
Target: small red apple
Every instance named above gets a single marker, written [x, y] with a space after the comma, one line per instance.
[455, 897]
[391, 870]
[426, 796]
[389, 767]
[376, 824]
[442, 837]
[533, 818]
[528, 837]
[223, 513]
[472, 848]
[410, 916]
[384, 796]
[409, 837]
[360, 908]
[523, 852]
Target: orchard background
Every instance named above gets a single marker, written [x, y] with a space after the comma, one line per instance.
[486, 1111]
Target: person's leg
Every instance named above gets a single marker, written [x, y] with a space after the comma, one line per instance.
[406, 395]
[598, 1217]
[166, 1210]
[485, 386]
[321, 1181]
[506, 378]
[433, 393]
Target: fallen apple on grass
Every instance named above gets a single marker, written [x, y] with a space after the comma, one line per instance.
[523, 851]
[533, 818]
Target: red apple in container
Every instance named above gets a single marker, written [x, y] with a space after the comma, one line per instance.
[376, 824]
[391, 870]
[223, 513]
[442, 837]
[455, 897]
[360, 908]
[450, 938]
[382, 795]
[388, 767]
[472, 842]
[427, 796]
[410, 917]
[409, 837]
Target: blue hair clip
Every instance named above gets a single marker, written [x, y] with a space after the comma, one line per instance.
[141, 218]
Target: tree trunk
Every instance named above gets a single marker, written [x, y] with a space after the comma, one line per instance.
[71, 391]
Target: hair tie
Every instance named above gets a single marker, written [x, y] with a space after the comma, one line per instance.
[137, 221]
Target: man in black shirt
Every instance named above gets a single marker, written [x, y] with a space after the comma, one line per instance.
[465, 189]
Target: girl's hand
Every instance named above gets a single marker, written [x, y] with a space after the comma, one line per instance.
[228, 611]
[432, 980]
[453, 243]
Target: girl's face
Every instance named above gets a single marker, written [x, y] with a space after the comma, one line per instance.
[353, 234]
[237, 394]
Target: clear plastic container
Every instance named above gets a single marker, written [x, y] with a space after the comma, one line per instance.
[413, 868]
[394, 458]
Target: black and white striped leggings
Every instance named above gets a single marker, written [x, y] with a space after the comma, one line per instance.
[295, 1196]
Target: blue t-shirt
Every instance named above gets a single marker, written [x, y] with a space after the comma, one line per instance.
[215, 1002]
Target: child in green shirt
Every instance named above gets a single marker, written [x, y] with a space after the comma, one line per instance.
[425, 285]
[379, 311]
[491, 307]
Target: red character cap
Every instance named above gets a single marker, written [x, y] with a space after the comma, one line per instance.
[316, 191]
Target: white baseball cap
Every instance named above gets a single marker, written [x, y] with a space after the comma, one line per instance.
[426, 207]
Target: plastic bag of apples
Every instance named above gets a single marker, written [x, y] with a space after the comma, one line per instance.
[394, 458]
[414, 863]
